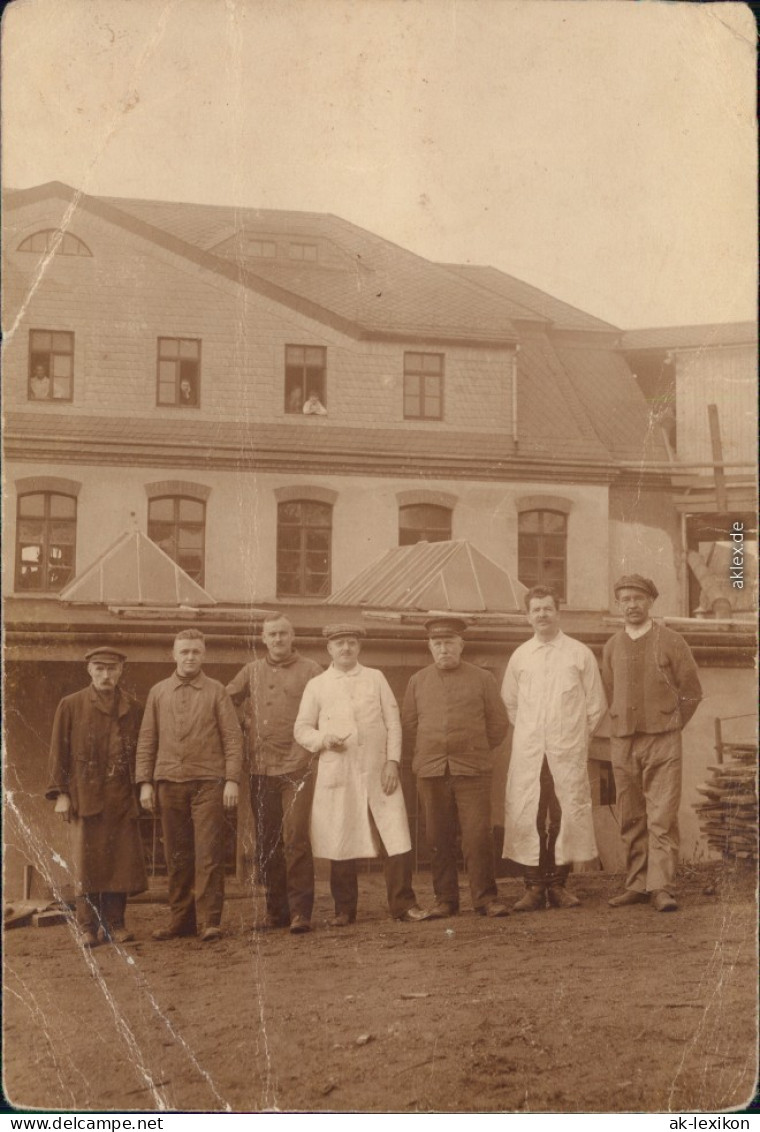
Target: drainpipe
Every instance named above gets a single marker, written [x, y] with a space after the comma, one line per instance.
[514, 396]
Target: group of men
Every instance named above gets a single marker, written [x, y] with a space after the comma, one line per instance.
[325, 750]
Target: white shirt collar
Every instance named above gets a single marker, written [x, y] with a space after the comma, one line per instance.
[338, 673]
[555, 642]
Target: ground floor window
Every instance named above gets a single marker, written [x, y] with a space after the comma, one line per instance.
[542, 550]
[46, 535]
[304, 535]
[178, 525]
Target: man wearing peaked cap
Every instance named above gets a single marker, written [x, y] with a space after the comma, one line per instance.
[440, 627]
[452, 720]
[653, 690]
[91, 780]
[349, 717]
[334, 632]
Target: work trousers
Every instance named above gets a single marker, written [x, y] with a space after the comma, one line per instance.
[344, 885]
[647, 770]
[192, 820]
[281, 806]
[548, 819]
[468, 798]
[101, 910]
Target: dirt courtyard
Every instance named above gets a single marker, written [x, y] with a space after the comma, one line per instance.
[590, 1009]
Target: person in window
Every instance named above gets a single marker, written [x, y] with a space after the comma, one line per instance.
[349, 717]
[553, 694]
[91, 781]
[313, 405]
[39, 384]
[453, 721]
[191, 747]
[186, 392]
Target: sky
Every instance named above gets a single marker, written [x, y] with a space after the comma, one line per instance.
[599, 149]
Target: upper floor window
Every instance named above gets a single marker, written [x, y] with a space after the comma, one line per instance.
[51, 239]
[423, 522]
[305, 378]
[542, 550]
[423, 387]
[51, 365]
[179, 372]
[304, 535]
[46, 535]
[178, 525]
[262, 249]
[303, 251]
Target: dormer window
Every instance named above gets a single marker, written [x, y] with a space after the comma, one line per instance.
[261, 249]
[53, 240]
[307, 252]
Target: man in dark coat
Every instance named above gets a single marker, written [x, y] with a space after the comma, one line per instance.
[452, 719]
[92, 775]
[653, 690]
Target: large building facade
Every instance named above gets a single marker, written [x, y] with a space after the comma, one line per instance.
[158, 362]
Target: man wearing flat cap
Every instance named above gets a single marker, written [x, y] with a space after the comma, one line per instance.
[653, 690]
[349, 717]
[92, 781]
[453, 719]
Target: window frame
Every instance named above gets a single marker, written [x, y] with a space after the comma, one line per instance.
[424, 530]
[50, 354]
[302, 550]
[421, 373]
[540, 556]
[178, 377]
[82, 252]
[303, 246]
[47, 520]
[306, 382]
[176, 523]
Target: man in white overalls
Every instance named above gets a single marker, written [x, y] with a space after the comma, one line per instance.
[349, 716]
[554, 697]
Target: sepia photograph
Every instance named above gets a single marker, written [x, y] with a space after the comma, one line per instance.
[380, 557]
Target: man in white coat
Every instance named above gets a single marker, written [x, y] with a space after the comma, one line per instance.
[554, 697]
[348, 715]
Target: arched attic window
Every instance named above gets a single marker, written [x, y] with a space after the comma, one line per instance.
[53, 240]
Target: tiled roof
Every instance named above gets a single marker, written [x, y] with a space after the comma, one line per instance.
[381, 290]
[526, 301]
[551, 437]
[612, 402]
[708, 334]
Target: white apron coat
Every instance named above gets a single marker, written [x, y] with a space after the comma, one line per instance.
[360, 705]
[554, 697]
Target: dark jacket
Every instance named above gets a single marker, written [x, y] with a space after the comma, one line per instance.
[652, 683]
[79, 748]
[452, 718]
[271, 695]
[200, 741]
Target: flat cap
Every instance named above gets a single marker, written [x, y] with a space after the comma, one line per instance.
[332, 632]
[445, 627]
[105, 652]
[637, 582]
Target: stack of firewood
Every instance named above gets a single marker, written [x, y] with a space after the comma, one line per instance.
[728, 815]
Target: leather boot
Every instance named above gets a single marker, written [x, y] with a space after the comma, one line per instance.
[533, 900]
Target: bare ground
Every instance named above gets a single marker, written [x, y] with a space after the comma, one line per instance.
[590, 1009]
